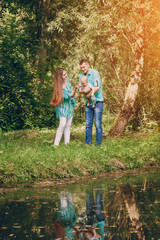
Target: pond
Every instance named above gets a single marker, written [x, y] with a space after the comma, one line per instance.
[112, 206]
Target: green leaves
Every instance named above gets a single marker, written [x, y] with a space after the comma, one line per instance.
[36, 37]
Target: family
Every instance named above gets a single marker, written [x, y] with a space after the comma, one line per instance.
[64, 100]
[69, 225]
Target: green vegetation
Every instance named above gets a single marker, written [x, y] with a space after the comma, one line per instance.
[29, 155]
[36, 37]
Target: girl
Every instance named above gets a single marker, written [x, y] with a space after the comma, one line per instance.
[64, 102]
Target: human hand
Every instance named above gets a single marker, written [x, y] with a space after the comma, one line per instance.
[76, 96]
[78, 85]
[81, 90]
[77, 226]
[94, 232]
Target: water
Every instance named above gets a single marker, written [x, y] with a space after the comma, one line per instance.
[109, 207]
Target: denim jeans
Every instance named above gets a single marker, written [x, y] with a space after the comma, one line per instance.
[90, 114]
[94, 208]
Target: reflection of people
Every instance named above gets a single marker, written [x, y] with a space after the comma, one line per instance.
[95, 218]
[64, 102]
[85, 88]
[96, 112]
[66, 217]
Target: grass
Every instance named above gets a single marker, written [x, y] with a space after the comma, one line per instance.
[30, 154]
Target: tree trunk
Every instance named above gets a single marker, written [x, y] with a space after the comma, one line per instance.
[43, 8]
[123, 116]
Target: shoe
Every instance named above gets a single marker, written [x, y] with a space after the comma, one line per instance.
[98, 144]
[55, 146]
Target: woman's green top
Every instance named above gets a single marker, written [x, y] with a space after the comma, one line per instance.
[67, 217]
[66, 108]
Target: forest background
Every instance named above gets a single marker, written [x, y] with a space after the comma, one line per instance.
[37, 36]
[122, 41]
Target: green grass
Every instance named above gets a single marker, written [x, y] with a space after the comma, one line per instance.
[29, 155]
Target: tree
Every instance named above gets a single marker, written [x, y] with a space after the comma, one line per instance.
[34, 39]
[16, 99]
[115, 38]
[118, 37]
[130, 97]
[137, 46]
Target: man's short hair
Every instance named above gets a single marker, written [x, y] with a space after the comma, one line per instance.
[84, 61]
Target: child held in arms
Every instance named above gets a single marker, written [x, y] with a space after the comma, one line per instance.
[85, 88]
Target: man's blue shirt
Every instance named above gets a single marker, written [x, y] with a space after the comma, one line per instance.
[95, 80]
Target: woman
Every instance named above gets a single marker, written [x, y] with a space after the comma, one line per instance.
[64, 102]
[66, 218]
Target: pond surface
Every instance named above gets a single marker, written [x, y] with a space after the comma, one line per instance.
[108, 207]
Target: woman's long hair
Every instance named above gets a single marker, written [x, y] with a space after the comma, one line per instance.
[59, 230]
[58, 88]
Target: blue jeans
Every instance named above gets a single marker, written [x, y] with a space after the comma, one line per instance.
[90, 114]
[94, 208]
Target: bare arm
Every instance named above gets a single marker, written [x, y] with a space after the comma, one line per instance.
[74, 91]
[85, 91]
[90, 93]
[96, 89]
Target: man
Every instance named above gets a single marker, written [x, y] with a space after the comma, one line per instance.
[90, 111]
[94, 226]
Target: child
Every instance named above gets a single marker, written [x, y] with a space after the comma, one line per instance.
[85, 88]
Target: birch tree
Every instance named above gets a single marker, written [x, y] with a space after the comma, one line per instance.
[145, 24]
[132, 90]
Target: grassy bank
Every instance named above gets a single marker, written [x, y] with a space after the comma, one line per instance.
[28, 155]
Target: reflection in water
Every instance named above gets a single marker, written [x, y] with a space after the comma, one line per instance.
[66, 228]
[132, 209]
[94, 228]
[128, 209]
[66, 217]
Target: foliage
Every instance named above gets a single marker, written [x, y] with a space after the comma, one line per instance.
[15, 73]
[24, 100]
[27, 80]
[108, 39]
[38, 36]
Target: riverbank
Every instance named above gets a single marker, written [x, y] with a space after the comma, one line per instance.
[30, 155]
